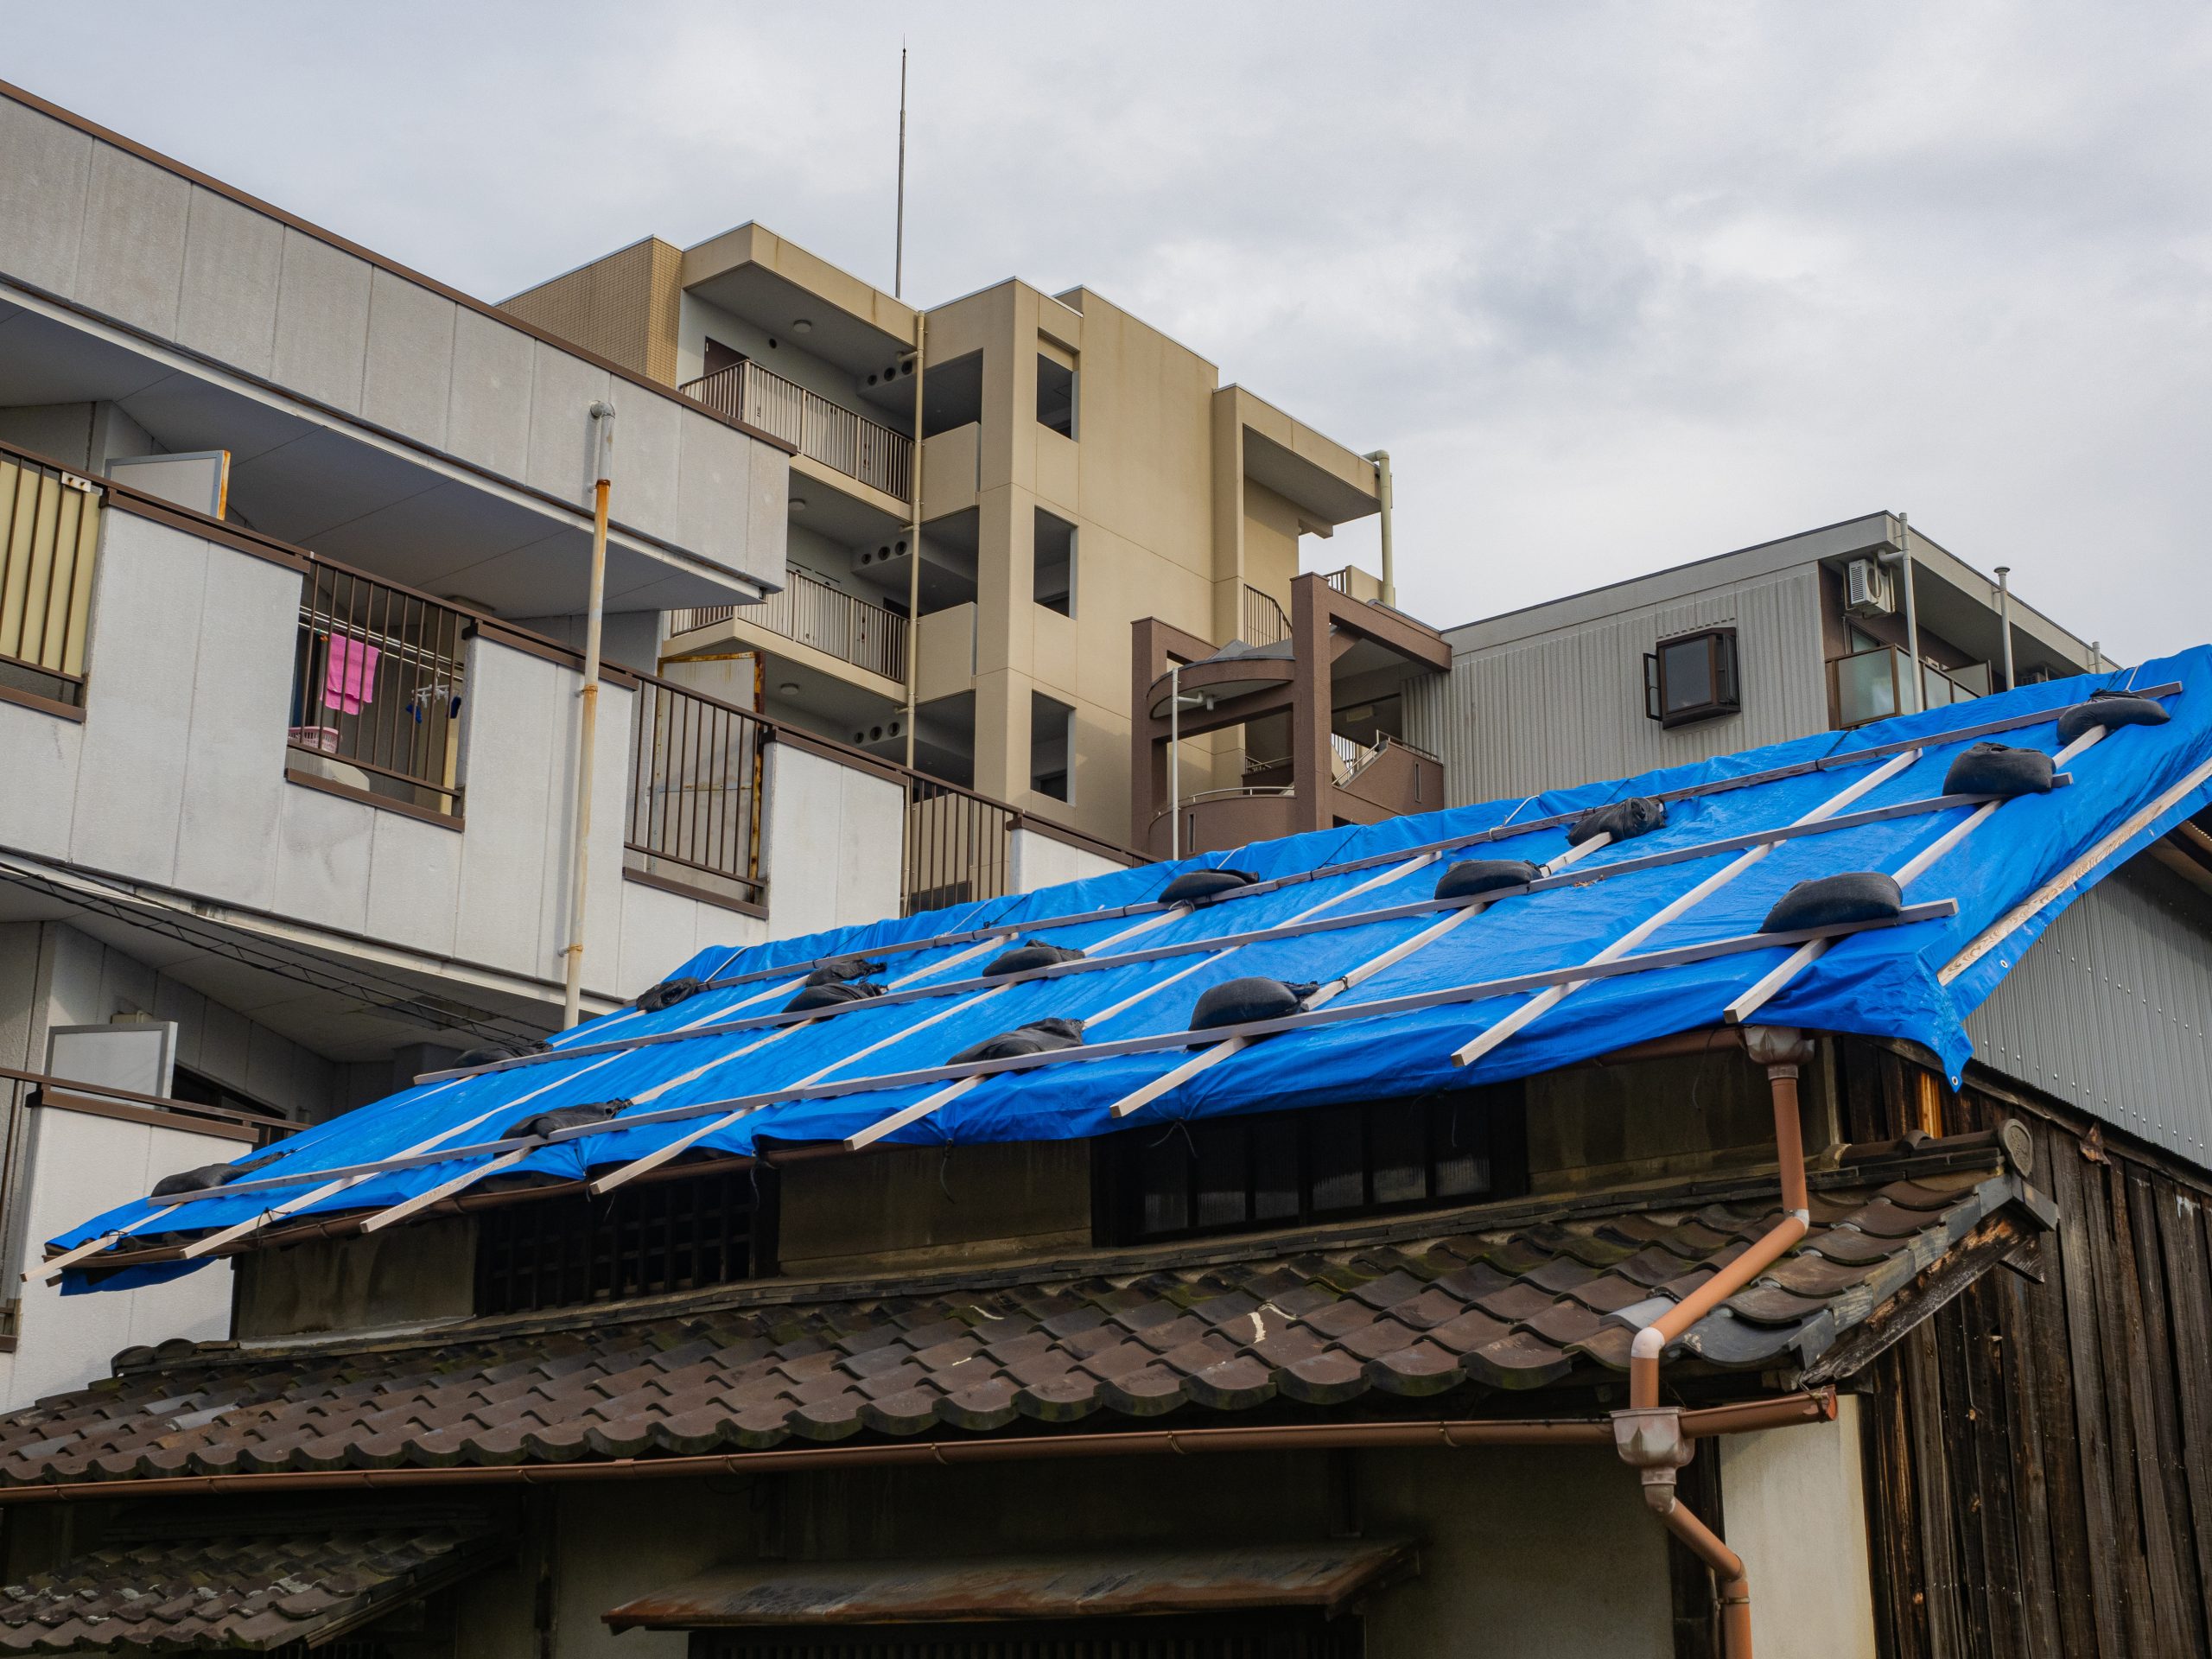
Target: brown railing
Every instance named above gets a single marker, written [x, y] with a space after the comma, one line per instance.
[835, 436]
[811, 611]
[959, 845]
[695, 792]
[1264, 621]
[49, 534]
[1340, 581]
[377, 690]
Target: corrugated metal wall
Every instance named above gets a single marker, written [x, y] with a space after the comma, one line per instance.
[1566, 707]
[2112, 1010]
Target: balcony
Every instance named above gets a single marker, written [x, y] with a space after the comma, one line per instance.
[1264, 621]
[809, 611]
[841, 440]
[1870, 686]
[1367, 784]
[49, 531]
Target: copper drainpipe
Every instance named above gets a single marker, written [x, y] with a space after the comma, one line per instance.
[1744, 1417]
[1649, 1435]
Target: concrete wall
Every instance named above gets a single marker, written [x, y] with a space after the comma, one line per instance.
[133, 240]
[1039, 861]
[832, 848]
[175, 776]
[2111, 1009]
[1796, 1512]
[76, 1165]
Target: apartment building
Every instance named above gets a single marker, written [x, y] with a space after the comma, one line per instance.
[1079, 472]
[291, 798]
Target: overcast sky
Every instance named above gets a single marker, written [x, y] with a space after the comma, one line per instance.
[1617, 285]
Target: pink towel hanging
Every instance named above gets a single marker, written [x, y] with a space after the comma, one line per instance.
[351, 679]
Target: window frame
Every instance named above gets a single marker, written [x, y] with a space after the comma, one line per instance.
[1724, 675]
[1120, 1190]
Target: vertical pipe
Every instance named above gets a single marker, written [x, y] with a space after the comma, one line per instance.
[1174, 760]
[602, 416]
[2004, 620]
[1381, 460]
[914, 544]
[1912, 617]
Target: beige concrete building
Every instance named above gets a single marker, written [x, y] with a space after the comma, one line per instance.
[1081, 471]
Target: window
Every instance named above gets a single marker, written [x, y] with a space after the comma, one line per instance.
[1053, 583]
[1692, 677]
[1056, 396]
[1278, 1169]
[573, 1251]
[1052, 745]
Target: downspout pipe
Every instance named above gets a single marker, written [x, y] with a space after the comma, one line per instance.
[2004, 621]
[572, 977]
[914, 525]
[1649, 1435]
[1380, 458]
[1903, 556]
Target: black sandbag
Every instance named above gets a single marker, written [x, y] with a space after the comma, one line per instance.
[1639, 815]
[2109, 710]
[1200, 887]
[829, 995]
[1831, 901]
[492, 1053]
[1029, 954]
[1474, 875]
[1238, 1002]
[669, 993]
[563, 1117]
[835, 970]
[1037, 1037]
[207, 1175]
[1998, 769]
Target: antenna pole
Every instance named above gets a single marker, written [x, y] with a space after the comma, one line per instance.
[898, 246]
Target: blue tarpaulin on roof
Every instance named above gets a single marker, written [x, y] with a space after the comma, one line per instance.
[2009, 879]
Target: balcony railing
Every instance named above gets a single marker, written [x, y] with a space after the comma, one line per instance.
[1870, 686]
[1264, 622]
[49, 532]
[822, 430]
[696, 793]
[814, 613]
[377, 684]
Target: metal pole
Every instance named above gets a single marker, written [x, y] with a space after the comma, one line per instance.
[1381, 460]
[2004, 621]
[1174, 762]
[1903, 556]
[898, 246]
[914, 546]
[602, 416]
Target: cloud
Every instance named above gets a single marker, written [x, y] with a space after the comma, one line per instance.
[1618, 285]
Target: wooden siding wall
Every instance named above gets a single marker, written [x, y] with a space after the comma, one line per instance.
[2039, 1455]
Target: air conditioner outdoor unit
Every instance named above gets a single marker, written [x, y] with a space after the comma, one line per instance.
[1869, 592]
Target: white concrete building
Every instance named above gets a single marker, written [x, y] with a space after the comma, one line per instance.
[287, 795]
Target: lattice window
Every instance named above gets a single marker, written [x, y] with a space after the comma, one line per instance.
[640, 1241]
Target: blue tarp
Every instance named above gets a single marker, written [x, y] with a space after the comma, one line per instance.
[1886, 983]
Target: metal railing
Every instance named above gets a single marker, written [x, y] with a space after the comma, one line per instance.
[1871, 684]
[697, 786]
[49, 536]
[811, 611]
[1264, 621]
[827, 432]
[959, 846]
[377, 684]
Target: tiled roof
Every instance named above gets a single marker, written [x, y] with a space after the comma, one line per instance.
[233, 1592]
[1522, 1307]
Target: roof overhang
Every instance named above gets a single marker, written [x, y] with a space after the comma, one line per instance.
[774, 283]
[1323, 479]
[1323, 1577]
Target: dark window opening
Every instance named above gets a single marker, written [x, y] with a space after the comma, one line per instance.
[201, 1089]
[1055, 395]
[1326, 1163]
[1052, 745]
[1692, 677]
[1254, 1635]
[641, 1240]
[721, 357]
[1053, 583]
